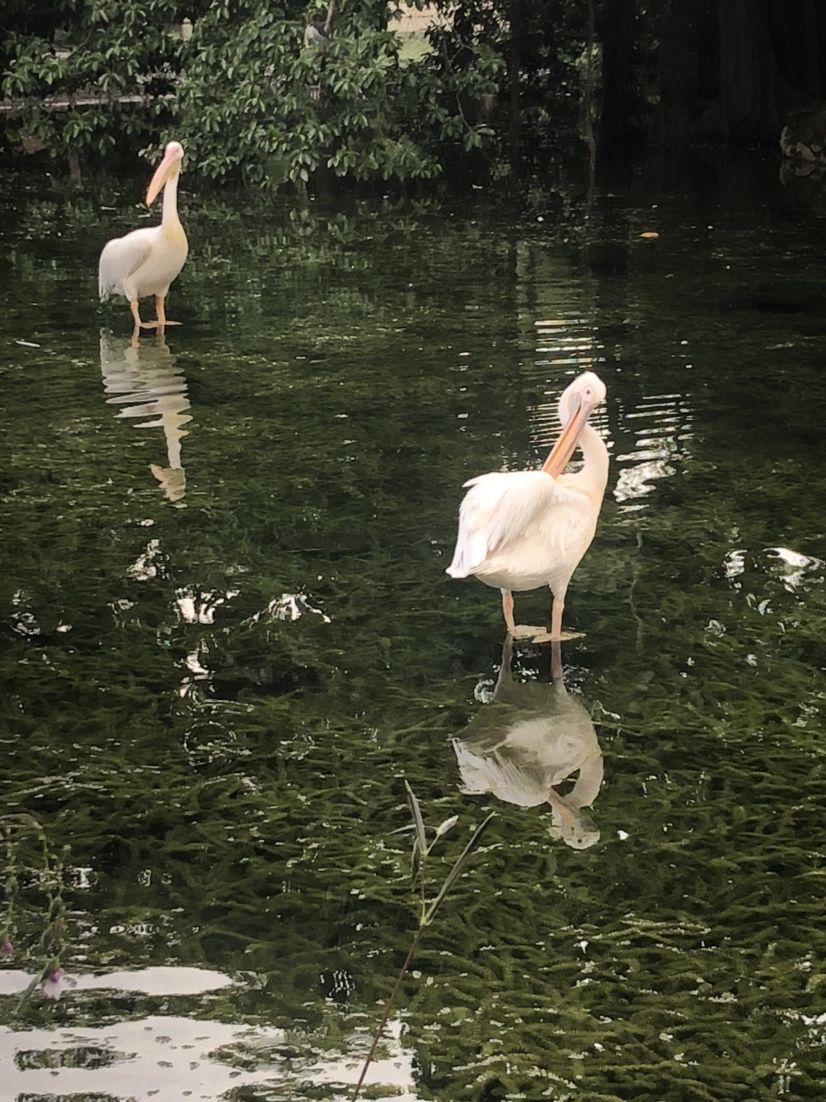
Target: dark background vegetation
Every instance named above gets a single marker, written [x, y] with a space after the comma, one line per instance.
[494, 92]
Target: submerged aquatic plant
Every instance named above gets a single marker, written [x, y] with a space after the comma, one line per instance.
[428, 908]
[15, 831]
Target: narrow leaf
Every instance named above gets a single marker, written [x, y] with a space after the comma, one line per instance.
[415, 811]
[451, 877]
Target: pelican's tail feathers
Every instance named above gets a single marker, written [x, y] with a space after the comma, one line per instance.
[471, 551]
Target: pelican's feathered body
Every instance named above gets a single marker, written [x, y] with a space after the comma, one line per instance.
[519, 530]
[146, 261]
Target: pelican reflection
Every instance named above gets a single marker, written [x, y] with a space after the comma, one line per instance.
[145, 381]
[530, 739]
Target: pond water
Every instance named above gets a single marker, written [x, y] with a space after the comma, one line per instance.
[227, 639]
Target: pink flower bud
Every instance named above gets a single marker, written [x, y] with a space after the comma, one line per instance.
[52, 984]
[6, 947]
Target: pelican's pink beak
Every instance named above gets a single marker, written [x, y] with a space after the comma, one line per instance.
[170, 165]
[563, 449]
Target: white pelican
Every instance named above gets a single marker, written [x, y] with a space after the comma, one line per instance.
[520, 530]
[145, 261]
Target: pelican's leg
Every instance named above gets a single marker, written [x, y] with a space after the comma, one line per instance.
[507, 658]
[136, 317]
[160, 308]
[161, 320]
[556, 634]
[518, 631]
[507, 610]
[557, 607]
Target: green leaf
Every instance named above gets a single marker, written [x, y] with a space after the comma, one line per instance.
[455, 872]
[418, 821]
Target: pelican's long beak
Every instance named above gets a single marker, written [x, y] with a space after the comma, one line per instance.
[563, 449]
[169, 165]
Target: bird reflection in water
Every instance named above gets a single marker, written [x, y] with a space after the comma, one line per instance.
[145, 381]
[527, 741]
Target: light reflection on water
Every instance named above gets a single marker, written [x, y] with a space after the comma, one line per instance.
[167, 1058]
[794, 570]
[659, 424]
[566, 347]
[143, 379]
[149, 981]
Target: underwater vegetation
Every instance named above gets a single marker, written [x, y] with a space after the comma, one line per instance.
[228, 645]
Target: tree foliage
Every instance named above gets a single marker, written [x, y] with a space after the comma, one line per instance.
[250, 95]
[67, 75]
[253, 97]
[496, 86]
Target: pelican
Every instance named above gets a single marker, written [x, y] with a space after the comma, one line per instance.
[520, 530]
[145, 261]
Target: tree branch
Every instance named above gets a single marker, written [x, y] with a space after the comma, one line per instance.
[328, 22]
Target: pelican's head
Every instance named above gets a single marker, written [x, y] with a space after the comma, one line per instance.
[578, 401]
[170, 166]
[587, 390]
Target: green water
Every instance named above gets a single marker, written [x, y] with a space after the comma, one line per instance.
[227, 638]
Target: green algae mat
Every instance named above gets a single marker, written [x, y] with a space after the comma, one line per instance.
[227, 639]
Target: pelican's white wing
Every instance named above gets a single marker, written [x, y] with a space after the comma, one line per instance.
[496, 511]
[121, 258]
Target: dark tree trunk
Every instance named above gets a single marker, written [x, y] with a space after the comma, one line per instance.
[749, 89]
[688, 66]
[617, 33]
[798, 31]
[725, 69]
[812, 83]
[517, 21]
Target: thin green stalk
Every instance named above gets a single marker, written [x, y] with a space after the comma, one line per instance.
[427, 913]
[457, 868]
[52, 938]
[388, 1006]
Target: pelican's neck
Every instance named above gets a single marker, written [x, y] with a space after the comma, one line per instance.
[593, 475]
[169, 218]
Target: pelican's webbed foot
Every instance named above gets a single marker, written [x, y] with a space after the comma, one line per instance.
[544, 636]
[527, 631]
